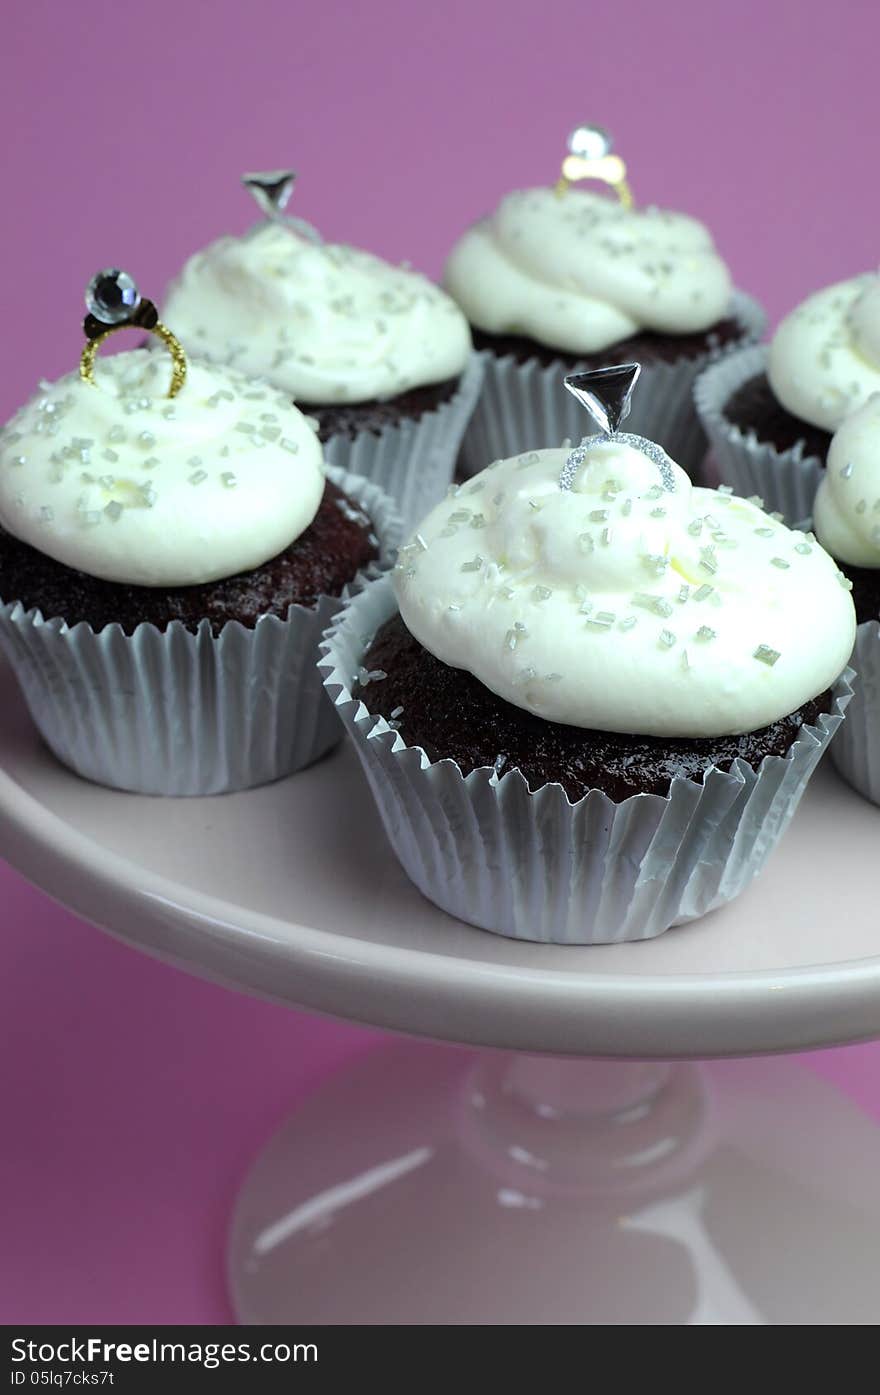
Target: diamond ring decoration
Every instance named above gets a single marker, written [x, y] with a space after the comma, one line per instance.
[114, 302]
[606, 393]
[591, 156]
[271, 190]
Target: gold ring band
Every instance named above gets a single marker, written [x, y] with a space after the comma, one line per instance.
[172, 344]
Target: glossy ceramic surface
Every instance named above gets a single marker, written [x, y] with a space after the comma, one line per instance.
[290, 891]
[423, 1186]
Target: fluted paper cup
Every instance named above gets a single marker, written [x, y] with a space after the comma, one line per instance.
[413, 460]
[182, 712]
[786, 480]
[524, 406]
[535, 866]
[856, 754]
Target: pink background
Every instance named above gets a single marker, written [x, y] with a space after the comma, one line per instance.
[132, 1097]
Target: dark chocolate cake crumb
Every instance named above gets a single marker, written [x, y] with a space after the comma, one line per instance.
[350, 418]
[753, 407]
[451, 714]
[644, 348]
[321, 561]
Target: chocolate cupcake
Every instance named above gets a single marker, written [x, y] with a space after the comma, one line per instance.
[167, 567]
[592, 694]
[847, 523]
[770, 413]
[562, 278]
[378, 355]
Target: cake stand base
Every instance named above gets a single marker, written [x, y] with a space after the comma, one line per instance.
[429, 1185]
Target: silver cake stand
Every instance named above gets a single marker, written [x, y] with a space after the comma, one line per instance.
[581, 1170]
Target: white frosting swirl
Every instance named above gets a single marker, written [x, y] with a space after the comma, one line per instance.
[325, 322]
[116, 480]
[846, 512]
[622, 606]
[824, 358]
[579, 272]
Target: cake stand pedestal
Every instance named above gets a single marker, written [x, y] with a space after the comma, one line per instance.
[579, 1170]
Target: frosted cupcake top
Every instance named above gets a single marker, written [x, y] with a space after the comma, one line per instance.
[116, 480]
[632, 602]
[579, 272]
[846, 512]
[824, 358]
[324, 322]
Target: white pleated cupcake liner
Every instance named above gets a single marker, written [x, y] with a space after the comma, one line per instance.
[786, 480]
[181, 712]
[535, 866]
[413, 461]
[856, 753]
[524, 406]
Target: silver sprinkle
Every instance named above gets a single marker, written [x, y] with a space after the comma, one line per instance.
[705, 632]
[602, 620]
[765, 655]
[656, 604]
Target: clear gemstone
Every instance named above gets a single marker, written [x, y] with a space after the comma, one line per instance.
[590, 142]
[112, 296]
